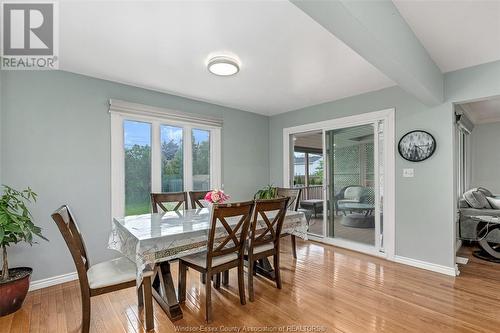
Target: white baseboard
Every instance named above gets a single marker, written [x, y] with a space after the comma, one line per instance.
[452, 271]
[426, 265]
[52, 281]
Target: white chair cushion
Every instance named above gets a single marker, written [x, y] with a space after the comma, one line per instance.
[353, 193]
[111, 272]
[262, 248]
[200, 259]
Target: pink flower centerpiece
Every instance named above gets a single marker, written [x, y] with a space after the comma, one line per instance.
[216, 197]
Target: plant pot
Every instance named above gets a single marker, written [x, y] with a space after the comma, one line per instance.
[14, 290]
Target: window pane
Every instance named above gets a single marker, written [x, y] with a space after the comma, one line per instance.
[137, 146]
[315, 169]
[201, 159]
[299, 169]
[171, 159]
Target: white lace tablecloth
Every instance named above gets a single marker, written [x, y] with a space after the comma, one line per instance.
[151, 238]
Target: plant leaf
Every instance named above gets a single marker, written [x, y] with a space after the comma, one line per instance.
[16, 220]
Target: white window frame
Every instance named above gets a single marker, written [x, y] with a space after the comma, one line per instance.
[121, 111]
[462, 159]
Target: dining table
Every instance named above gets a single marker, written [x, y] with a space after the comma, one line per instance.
[153, 240]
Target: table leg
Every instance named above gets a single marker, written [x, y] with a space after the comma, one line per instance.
[225, 278]
[164, 291]
[486, 247]
[487, 252]
[148, 308]
[216, 278]
[263, 267]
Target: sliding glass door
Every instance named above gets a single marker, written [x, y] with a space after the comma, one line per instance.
[351, 186]
[345, 168]
[340, 171]
[353, 178]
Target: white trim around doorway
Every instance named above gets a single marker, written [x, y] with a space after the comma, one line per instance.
[388, 116]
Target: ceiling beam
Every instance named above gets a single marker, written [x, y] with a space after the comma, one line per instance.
[378, 33]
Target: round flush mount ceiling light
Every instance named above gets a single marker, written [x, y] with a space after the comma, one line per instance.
[223, 66]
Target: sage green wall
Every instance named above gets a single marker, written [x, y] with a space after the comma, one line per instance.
[55, 137]
[418, 215]
[485, 140]
[425, 205]
[1, 107]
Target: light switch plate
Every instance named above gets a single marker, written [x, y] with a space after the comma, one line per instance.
[408, 173]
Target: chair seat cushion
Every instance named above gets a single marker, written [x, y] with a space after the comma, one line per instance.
[262, 248]
[111, 272]
[344, 201]
[200, 259]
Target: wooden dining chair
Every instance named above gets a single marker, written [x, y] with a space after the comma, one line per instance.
[179, 199]
[196, 197]
[225, 250]
[104, 277]
[293, 204]
[264, 240]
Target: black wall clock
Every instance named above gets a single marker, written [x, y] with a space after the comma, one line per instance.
[417, 146]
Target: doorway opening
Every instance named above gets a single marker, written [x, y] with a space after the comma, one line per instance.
[308, 168]
[477, 161]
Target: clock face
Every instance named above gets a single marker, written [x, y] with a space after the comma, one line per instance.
[417, 146]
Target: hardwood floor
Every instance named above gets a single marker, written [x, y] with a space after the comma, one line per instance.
[333, 289]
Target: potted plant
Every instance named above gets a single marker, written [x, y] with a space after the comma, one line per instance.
[16, 225]
[268, 192]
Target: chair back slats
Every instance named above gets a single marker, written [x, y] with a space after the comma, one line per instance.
[236, 233]
[73, 238]
[196, 198]
[159, 199]
[293, 194]
[222, 248]
[270, 230]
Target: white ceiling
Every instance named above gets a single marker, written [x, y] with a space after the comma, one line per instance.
[482, 112]
[288, 60]
[457, 34]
